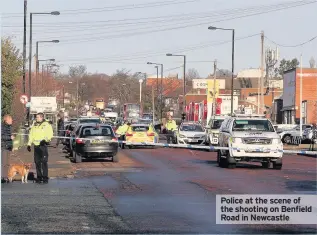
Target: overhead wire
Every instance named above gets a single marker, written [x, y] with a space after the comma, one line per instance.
[296, 45]
[135, 33]
[138, 56]
[113, 8]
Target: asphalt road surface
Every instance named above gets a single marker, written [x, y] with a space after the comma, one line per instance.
[170, 191]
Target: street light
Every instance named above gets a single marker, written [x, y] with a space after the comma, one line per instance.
[232, 71]
[37, 53]
[161, 90]
[184, 88]
[30, 46]
[141, 81]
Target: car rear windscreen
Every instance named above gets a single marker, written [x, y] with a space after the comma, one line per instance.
[90, 120]
[99, 131]
[140, 128]
[195, 128]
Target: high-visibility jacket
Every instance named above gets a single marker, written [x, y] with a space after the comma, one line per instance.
[171, 125]
[122, 129]
[39, 132]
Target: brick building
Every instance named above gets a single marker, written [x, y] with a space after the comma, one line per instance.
[291, 96]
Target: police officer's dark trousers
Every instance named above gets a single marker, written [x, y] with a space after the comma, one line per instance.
[40, 159]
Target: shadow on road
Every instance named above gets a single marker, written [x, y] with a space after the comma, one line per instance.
[211, 162]
[302, 185]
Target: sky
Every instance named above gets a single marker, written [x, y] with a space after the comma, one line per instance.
[107, 35]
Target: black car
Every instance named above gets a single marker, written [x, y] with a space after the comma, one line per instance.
[91, 141]
[68, 130]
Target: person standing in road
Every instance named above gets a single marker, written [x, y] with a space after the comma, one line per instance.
[40, 135]
[6, 146]
[170, 127]
[122, 130]
[60, 128]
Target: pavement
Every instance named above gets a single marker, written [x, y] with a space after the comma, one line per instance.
[150, 191]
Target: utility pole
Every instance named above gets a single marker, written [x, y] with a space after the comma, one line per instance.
[24, 45]
[301, 98]
[161, 103]
[30, 56]
[214, 96]
[262, 72]
[153, 104]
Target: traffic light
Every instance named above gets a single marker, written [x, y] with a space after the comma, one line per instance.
[183, 116]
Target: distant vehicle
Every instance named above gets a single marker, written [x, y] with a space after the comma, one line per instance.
[191, 133]
[141, 133]
[100, 103]
[286, 135]
[131, 111]
[111, 116]
[213, 127]
[92, 141]
[68, 130]
[147, 116]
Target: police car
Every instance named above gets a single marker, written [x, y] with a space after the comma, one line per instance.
[249, 138]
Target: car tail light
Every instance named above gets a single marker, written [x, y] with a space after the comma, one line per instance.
[128, 134]
[80, 141]
[67, 132]
[150, 134]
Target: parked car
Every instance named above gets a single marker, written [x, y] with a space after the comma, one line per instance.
[93, 141]
[191, 133]
[286, 135]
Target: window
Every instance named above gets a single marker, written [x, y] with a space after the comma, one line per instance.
[216, 124]
[90, 120]
[133, 107]
[140, 128]
[252, 125]
[195, 128]
[93, 131]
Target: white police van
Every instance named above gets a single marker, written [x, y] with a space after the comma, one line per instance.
[250, 138]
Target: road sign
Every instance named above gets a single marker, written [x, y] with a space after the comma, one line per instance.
[24, 99]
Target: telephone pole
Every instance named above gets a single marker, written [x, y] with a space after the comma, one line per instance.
[214, 96]
[24, 45]
[262, 73]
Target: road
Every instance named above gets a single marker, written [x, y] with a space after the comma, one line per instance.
[156, 191]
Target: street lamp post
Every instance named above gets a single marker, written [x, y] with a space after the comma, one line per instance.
[30, 44]
[37, 54]
[184, 88]
[161, 88]
[232, 60]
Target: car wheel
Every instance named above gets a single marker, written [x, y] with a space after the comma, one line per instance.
[277, 166]
[219, 159]
[226, 162]
[115, 158]
[265, 165]
[77, 157]
[287, 139]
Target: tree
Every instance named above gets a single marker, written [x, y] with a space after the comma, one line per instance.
[223, 73]
[77, 71]
[192, 74]
[11, 71]
[285, 65]
[312, 62]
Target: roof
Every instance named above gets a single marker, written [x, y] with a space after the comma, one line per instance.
[191, 123]
[140, 124]
[170, 85]
[95, 124]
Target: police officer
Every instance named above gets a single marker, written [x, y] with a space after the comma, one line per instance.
[6, 146]
[122, 130]
[40, 135]
[170, 127]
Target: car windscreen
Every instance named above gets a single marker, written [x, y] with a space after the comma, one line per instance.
[140, 128]
[252, 125]
[216, 124]
[145, 121]
[90, 120]
[191, 127]
[96, 131]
